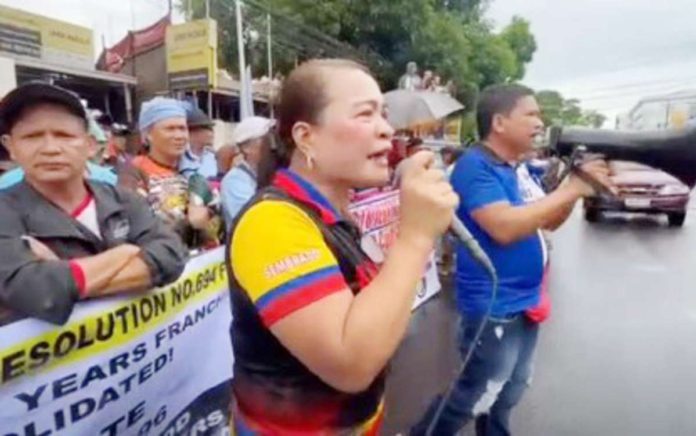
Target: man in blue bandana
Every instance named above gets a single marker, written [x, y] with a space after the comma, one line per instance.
[186, 204]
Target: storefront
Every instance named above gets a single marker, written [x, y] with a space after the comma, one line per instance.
[40, 48]
[108, 92]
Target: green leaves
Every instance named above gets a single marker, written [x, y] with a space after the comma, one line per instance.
[557, 111]
[450, 37]
[518, 37]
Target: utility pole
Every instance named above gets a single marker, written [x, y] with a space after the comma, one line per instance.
[268, 43]
[131, 36]
[243, 82]
[270, 61]
[240, 38]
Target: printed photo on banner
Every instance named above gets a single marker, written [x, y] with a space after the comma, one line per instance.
[377, 214]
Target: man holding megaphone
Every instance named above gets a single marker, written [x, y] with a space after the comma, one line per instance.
[506, 214]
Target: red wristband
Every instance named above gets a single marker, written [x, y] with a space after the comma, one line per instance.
[79, 276]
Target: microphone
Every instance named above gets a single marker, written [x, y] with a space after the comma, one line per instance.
[458, 229]
[462, 233]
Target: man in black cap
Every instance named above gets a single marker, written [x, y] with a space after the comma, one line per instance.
[63, 238]
[118, 153]
[200, 156]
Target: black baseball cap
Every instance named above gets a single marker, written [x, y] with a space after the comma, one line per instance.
[105, 120]
[15, 104]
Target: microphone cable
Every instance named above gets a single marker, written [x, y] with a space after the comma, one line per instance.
[482, 258]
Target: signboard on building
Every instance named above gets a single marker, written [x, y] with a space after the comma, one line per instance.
[53, 41]
[453, 129]
[678, 115]
[192, 55]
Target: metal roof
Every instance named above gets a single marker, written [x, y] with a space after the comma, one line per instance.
[93, 74]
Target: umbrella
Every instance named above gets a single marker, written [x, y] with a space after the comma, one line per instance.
[409, 108]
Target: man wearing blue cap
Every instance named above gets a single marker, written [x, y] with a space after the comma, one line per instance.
[187, 205]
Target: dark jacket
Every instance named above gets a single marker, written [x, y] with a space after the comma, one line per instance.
[46, 289]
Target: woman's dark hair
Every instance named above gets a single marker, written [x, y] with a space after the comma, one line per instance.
[302, 98]
[4, 153]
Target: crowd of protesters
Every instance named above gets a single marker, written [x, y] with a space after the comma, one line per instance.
[170, 161]
[85, 212]
[70, 233]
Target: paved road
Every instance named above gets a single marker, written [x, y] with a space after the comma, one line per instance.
[618, 356]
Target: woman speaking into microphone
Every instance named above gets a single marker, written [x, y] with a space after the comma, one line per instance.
[316, 320]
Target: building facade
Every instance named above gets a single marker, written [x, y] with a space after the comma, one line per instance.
[670, 111]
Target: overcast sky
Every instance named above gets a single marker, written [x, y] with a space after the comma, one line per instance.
[608, 53]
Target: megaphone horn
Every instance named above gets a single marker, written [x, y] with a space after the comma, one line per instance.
[672, 151]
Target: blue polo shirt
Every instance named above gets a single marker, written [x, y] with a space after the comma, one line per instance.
[237, 188]
[205, 164]
[482, 179]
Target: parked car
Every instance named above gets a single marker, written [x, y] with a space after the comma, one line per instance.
[642, 189]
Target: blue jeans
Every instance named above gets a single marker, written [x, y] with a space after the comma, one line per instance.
[497, 375]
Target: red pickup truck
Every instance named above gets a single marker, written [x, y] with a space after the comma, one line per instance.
[642, 189]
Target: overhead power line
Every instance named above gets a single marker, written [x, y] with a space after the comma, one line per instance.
[289, 29]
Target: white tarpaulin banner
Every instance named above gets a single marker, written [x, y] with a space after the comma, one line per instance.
[155, 363]
[377, 215]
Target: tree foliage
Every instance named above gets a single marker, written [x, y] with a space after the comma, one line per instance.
[451, 37]
[558, 111]
[447, 36]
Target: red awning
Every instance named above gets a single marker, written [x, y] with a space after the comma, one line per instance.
[140, 41]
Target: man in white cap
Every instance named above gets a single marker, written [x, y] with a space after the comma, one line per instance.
[239, 185]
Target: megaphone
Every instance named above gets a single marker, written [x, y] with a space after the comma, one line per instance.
[672, 151]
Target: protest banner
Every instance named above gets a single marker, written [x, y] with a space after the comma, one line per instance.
[377, 214]
[153, 363]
